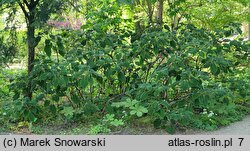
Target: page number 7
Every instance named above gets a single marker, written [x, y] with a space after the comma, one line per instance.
[241, 140]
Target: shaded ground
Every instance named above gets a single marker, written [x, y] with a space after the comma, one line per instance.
[237, 128]
[16, 66]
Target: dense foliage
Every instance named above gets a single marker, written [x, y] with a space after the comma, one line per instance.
[115, 69]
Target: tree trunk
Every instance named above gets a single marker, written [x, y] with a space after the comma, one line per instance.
[245, 27]
[159, 12]
[31, 52]
[249, 31]
[87, 7]
[174, 22]
[150, 12]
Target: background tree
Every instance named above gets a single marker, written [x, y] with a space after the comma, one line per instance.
[36, 13]
[171, 62]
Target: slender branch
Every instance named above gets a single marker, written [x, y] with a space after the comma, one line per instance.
[144, 8]
[24, 10]
[75, 7]
[7, 65]
[6, 7]
[36, 2]
[190, 6]
[111, 99]
[26, 3]
[194, 5]
[169, 3]
[160, 62]
[150, 11]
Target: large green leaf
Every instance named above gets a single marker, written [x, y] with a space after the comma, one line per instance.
[60, 46]
[84, 82]
[214, 69]
[48, 47]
